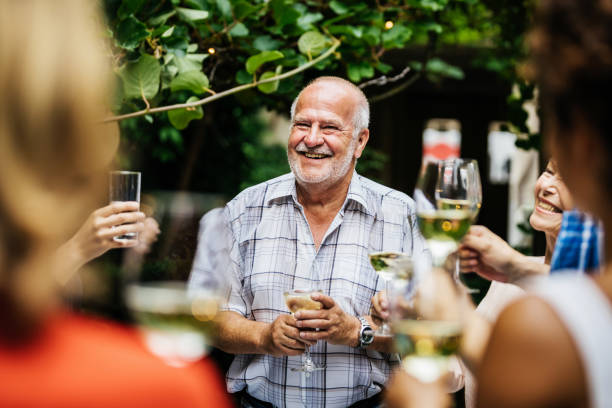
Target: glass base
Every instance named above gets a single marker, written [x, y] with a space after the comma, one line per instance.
[426, 369]
[308, 368]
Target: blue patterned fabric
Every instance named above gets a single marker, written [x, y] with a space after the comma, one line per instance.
[578, 244]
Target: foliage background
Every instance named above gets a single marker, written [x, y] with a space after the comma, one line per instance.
[173, 51]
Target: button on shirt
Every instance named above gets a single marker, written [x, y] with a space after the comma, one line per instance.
[273, 251]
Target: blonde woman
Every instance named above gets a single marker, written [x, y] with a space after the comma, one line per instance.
[53, 163]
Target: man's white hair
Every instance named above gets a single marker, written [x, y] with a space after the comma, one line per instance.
[361, 118]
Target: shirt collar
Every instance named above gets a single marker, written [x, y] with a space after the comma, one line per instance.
[286, 188]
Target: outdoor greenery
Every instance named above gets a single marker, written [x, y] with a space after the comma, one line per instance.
[193, 52]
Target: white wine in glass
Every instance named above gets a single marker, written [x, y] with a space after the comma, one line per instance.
[177, 325]
[300, 299]
[425, 346]
[389, 265]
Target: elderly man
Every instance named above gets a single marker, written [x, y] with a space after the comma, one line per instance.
[311, 228]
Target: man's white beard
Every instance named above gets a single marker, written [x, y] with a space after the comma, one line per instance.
[337, 172]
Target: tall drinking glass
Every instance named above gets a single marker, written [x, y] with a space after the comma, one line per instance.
[300, 299]
[124, 186]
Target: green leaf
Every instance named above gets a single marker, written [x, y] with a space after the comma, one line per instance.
[130, 32]
[243, 77]
[190, 62]
[359, 70]
[384, 68]
[312, 43]
[284, 13]
[194, 81]
[254, 62]
[242, 9]
[396, 37]
[129, 7]
[161, 19]
[141, 78]
[439, 67]
[266, 43]
[239, 30]
[338, 7]
[225, 8]
[372, 35]
[269, 87]
[180, 118]
[168, 32]
[192, 15]
[306, 21]
[356, 32]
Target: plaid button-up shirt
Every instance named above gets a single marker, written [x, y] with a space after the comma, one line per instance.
[273, 251]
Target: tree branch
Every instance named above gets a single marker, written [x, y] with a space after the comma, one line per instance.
[383, 80]
[204, 101]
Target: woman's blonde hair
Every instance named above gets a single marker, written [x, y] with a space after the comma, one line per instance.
[54, 89]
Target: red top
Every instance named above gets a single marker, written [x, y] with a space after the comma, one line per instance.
[82, 362]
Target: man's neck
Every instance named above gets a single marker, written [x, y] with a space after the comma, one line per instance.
[321, 204]
[316, 198]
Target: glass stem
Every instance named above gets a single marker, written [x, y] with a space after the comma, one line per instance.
[307, 354]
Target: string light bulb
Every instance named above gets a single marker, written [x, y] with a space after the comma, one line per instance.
[211, 51]
[388, 25]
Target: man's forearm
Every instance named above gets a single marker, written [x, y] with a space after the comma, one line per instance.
[239, 335]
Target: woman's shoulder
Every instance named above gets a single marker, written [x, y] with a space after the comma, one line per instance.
[531, 359]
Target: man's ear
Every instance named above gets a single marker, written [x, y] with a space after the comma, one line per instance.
[362, 140]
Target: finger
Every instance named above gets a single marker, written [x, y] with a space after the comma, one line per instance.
[314, 324]
[311, 314]
[292, 344]
[378, 310]
[117, 207]
[327, 301]
[106, 233]
[118, 219]
[467, 253]
[314, 335]
[475, 242]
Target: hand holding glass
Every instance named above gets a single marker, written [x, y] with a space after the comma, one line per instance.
[124, 186]
[300, 299]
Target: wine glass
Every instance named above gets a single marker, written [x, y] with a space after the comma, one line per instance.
[444, 209]
[389, 265]
[460, 189]
[177, 324]
[300, 299]
[428, 325]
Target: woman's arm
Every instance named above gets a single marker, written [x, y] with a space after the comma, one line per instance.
[530, 361]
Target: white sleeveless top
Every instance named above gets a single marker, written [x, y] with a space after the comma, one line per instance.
[587, 314]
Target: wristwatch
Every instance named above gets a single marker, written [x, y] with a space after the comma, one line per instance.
[366, 334]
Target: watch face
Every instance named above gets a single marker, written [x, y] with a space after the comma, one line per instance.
[368, 336]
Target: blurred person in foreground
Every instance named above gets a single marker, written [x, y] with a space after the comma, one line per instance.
[314, 228]
[554, 348]
[53, 163]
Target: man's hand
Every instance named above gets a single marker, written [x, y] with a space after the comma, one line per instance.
[380, 307]
[335, 326]
[282, 338]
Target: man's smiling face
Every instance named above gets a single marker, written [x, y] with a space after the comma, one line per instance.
[322, 148]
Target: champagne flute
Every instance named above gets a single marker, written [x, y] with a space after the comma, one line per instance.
[389, 265]
[300, 299]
